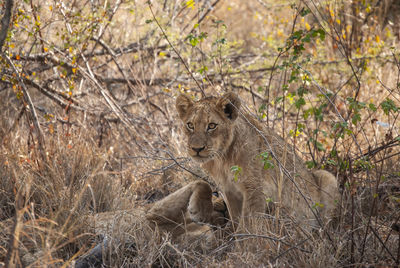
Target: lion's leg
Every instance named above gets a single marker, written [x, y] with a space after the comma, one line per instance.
[200, 206]
[234, 202]
[329, 192]
[194, 198]
[254, 204]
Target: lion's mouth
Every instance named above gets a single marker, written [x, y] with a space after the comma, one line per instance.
[200, 158]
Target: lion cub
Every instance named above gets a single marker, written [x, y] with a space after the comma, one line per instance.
[220, 137]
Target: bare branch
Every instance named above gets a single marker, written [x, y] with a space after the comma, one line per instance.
[28, 100]
[5, 22]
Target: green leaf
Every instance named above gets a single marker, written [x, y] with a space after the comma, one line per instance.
[304, 12]
[372, 107]
[236, 171]
[268, 200]
[331, 162]
[267, 160]
[388, 105]
[318, 205]
[203, 35]
[300, 102]
[356, 118]
[310, 164]
[193, 41]
[203, 69]
[296, 35]
[262, 108]
[321, 33]
[278, 99]
[320, 146]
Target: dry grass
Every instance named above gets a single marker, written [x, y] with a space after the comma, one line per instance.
[113, 145]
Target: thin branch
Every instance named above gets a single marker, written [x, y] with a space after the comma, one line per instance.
[177, 53]
[28, 100]
[5, 22]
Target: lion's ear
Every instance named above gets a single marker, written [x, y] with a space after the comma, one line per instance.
[182, 104]
[229, 104]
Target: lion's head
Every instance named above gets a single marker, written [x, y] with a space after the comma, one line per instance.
[208, 124]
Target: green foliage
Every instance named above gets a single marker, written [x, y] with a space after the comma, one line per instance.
[194, 40]
[388, 106]
[267, 161]
[317, 205]
[364, 164]
[236, 172]
[320, 147]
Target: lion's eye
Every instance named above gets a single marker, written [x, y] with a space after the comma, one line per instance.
[190, 125]
[212, 126]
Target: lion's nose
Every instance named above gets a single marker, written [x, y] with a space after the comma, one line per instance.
[198, 149]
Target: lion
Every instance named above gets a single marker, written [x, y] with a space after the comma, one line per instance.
[192, 217]
[251, 164]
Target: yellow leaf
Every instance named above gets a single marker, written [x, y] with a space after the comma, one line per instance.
[338, 21]
[190, 4]
[74, 70]
[388, 33]
[161, 54]
[45, 49]
[51, 8]
[378, 39]
[308, 27]
[331, 13]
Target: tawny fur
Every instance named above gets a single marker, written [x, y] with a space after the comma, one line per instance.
[220, 136]
[181, 214]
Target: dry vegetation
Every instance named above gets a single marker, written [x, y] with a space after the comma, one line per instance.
[88, 124]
